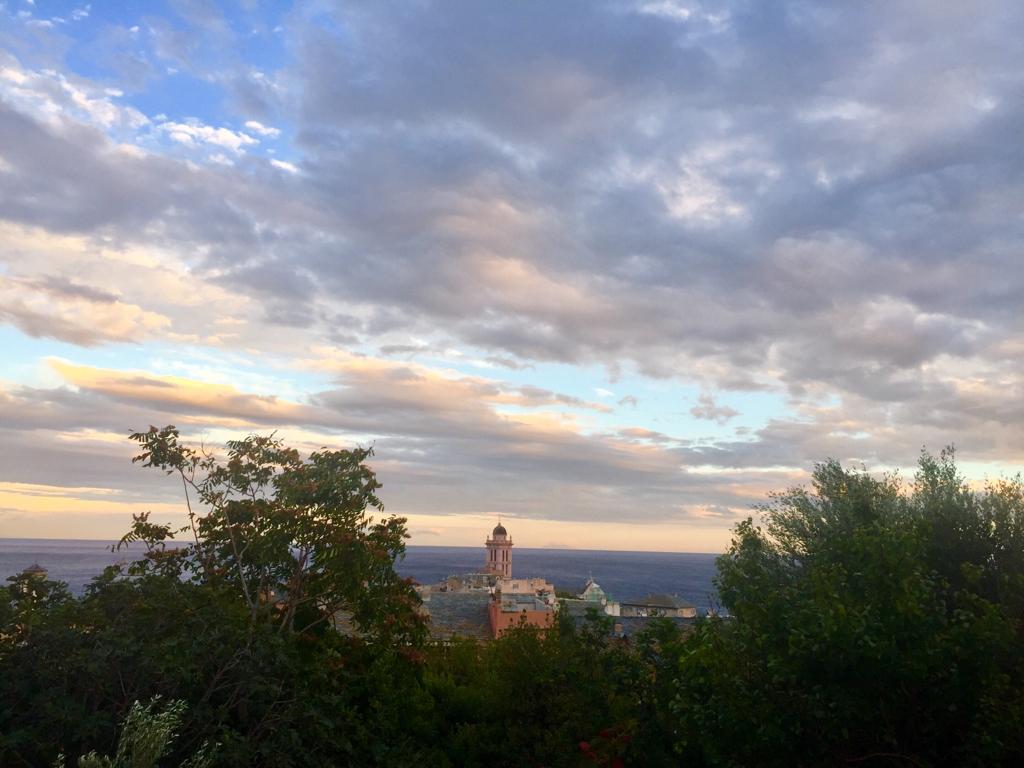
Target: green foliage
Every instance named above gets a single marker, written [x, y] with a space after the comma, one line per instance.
[290, 536]
[146, 736]
[565, 697]
[236, 622]
[868, 624]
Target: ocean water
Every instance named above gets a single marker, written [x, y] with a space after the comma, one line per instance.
[622, 574]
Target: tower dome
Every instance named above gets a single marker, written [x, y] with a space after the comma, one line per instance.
[499, 553]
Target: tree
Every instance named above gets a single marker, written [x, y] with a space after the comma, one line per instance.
[243, 622]
[291, 537]
[868, 622]
[146, 736]
[870, 625]
[563, 697]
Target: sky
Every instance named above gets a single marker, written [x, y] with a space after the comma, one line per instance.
[613, 271]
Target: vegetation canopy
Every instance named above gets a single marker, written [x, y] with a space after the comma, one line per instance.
[867, 622]
[292, 537]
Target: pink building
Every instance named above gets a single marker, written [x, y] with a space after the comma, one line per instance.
[508, 612]
[499, 553]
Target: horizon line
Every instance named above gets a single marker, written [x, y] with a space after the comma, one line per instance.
[438, 546]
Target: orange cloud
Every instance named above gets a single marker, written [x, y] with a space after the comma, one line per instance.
[74, 313]
[172, 393]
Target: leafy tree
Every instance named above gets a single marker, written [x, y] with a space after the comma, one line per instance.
[568, 696]
[869, 622]
[146, 736]
[292, 537]
[869, 626]
[27, 597]
[240, 622]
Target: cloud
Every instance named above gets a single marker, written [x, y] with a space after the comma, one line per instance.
[263, 130]
[815, 204]
[171, 395]
[284, 166]
[54, 98]
[708, 409]
[193, 132]
[534, 245]
[81, 314]
[412, 414]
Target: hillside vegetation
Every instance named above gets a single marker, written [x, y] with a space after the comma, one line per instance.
[871, 622]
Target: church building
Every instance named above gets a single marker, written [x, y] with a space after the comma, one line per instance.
[499, 553]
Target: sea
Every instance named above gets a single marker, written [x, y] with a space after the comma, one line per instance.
[623, 575]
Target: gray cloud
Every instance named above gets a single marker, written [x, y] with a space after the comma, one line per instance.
[818, 199]
[440, 447]
[431, 153]
[708, 409]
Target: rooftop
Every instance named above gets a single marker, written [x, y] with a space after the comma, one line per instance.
[523, 602]
[654, 600]
[622, 626]
[458, 614]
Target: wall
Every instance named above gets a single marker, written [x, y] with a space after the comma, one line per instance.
[502, 621]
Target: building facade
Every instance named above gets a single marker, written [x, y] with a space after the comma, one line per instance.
[659, 605]
[593, 596]
[532, 586]
[490, 603]
[499, 553]
[508, 611]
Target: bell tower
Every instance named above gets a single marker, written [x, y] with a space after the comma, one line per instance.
[499, 553]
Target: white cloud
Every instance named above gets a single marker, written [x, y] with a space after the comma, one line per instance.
[192, 132]
[285, 166]
[669, 9]
[263, 130]
[694, 195]
[54, 98]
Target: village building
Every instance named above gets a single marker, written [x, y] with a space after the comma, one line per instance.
[467, 582]
[457, 614]
[487, 604]
[36, 571]
[499, 553]
[515, 610]
[591, 598]
[626, 627]
[594, 595]
[533, 586]
[631, 616]
[658, 605]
